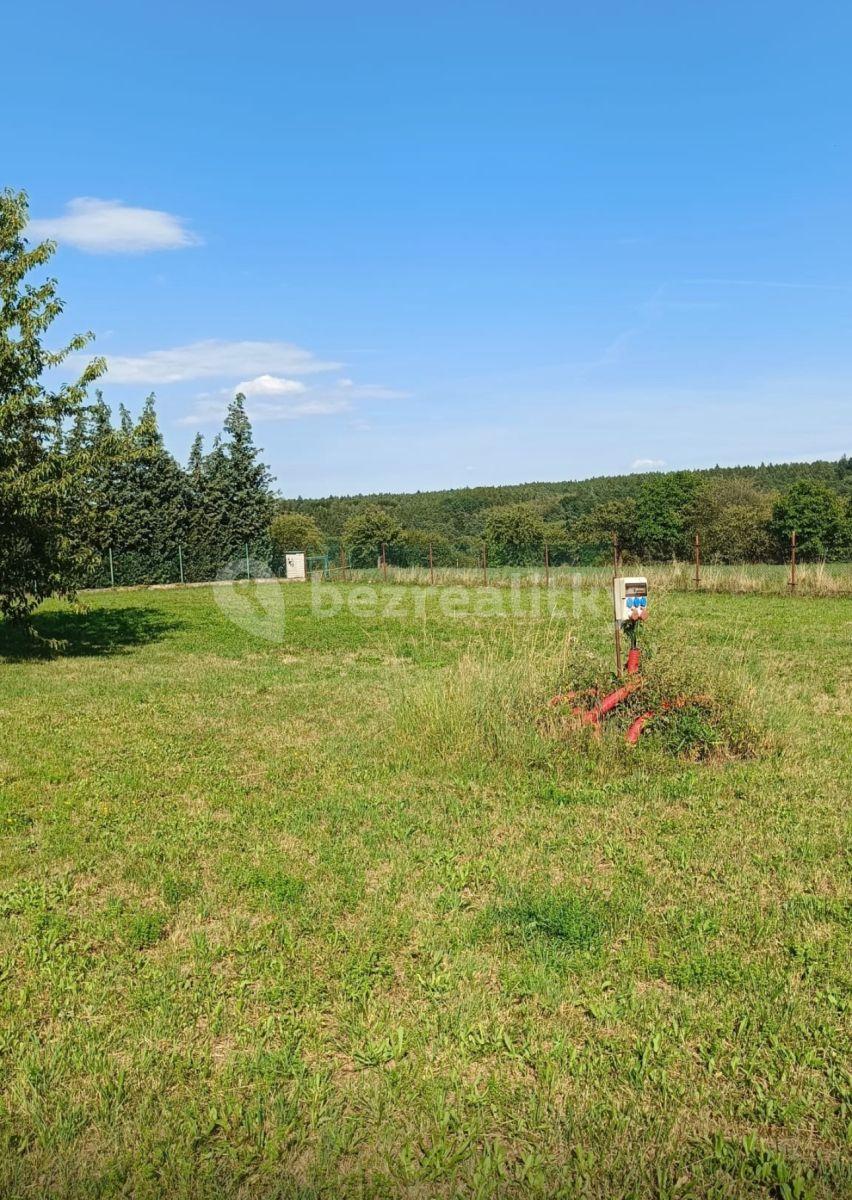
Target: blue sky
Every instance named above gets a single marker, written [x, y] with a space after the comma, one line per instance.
[458, 243]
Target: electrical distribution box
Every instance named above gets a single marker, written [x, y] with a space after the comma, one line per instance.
[629, 597]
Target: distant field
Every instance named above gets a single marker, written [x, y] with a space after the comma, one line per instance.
[339, 914]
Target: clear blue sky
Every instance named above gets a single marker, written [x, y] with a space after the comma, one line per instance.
[455, 243]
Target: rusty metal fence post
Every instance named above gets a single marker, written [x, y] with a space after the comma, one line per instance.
[697, 560]
[793, 561]
[616, 570]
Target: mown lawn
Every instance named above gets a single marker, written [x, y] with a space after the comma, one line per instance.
[321, 916]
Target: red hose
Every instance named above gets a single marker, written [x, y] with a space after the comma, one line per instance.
[593, 715]
[632, 735]
[611, 701]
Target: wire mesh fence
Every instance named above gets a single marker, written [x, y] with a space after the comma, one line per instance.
[133, 568]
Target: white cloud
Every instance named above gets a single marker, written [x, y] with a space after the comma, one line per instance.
[112, 227]
[270, 385]
[209, 410]
[647, 464]
[208, 359]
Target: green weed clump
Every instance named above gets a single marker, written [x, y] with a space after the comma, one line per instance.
[569, 920]
[702, 709]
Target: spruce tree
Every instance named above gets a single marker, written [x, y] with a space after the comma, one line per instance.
[150, 503]
[245, 483]
[43, 458]
[207, 503]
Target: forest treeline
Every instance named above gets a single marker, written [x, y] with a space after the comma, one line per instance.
[159, 517]
[743, 514]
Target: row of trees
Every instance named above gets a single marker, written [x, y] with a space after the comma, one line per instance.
[153, 513]
[737, 522]
[74, 486]
[459, 514]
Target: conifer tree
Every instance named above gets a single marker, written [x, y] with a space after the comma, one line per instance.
[243, 481]
[207, 502]
[150, 502]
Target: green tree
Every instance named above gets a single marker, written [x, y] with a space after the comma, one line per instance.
[147, 500]
[816, 514]
[208, 520]
[515, 534]
[733, 516]
[592, 535]
[576, 503]
[43, 468]
[296, 531]
[411, 548]
[665, 515]
[365, 531]
[98, 494]
[245, 482]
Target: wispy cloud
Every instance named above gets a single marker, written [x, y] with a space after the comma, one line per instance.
[647, 464]
[209, 359]
[783, 284]
[112, 227]
[371, 391]
[271, 376]
[211, 410]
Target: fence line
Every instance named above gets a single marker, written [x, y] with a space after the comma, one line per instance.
[809, 579]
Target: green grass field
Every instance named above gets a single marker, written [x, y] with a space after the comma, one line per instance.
[342, 914]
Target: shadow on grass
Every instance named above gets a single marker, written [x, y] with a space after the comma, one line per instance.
[76, 634]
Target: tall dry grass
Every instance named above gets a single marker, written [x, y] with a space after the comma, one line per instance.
[486, 705]
[813, 579]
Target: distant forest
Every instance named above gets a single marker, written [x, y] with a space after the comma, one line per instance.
[741, 513]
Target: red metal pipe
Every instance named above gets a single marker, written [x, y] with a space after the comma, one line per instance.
[611, 701]
[632, 735]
